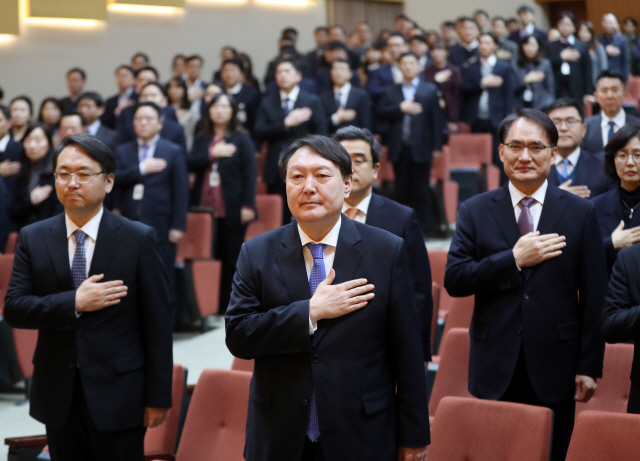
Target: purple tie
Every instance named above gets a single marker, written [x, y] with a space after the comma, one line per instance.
[525, 221]
[79, 263]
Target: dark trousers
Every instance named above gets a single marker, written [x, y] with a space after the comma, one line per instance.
[312, 451]
[412, 186]
[521, 391]
[280, 188]
[168, 253]
[80, 439]
[485, 126]
[633, 406]
[228, 244]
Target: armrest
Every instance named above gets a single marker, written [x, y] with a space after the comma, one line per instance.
[26, 442]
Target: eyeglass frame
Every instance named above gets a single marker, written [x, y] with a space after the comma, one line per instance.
[90, 176]
[528, 147]
[634, 156]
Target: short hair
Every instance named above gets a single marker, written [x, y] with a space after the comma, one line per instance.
[408, 53]
[490, 34]
[151, 104]
[335, 45]
[149, 68]
[73, 113]
[127, 68]
[565, 102]
[288, 31]
[95, 97]
[193, 57]
[617, 142]
[511, 21]
[338, 26]
[325, 147]
[567, 14]
[499, 18]
[462, 19]
[1, 93]
[24, 98]
[438, 45]
[533, 115]
[230, 48]
[234, 61]
[418, 38]
[402, 16]
[5, 111]
[78, 71]
[158, 85]
[394, 34]
[324, 29]
[611, 74]
[482, 12]
[354, 133]
[93, 147]
[140, 54]
[293, 62]
[449, 24]
[630, 19]
[341, 61]
[524, 9]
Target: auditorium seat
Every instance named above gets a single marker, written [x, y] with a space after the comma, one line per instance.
[613, 389]
[269, 208]
[459, 314]
[483, 430]
[196, 243]
[25, 343]
[632, 92]
[475, 151]
[386, 174]
[605, 436]
[438, 262]
[206, 285]
[12, 241]
[216, 419]
[445, 189]
[242, 365]
[6, 264]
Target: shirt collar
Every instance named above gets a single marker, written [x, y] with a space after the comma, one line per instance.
[4, 142]
[571, 40]
[530, 28]
[152, 143]
[490, 61]
[292, 96]
[330, 239]
[414, 83]
[619, 119]
[90, 228]
[573, 157]
[94, 127]
[236, 89]
[344, 90]
[538, 195]
[471, 46]
[363, 206]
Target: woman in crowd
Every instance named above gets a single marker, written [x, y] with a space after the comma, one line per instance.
[21, 113]
[188, 114]
[50, 114]
[448, 79]
[618, 210]
[223, 158]
[534, 76]
[35, 196]
[249, 78]
[599, 60]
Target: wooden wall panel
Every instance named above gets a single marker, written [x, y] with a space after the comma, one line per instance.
[621, 8]
[348, 13]
[75, 9]
[10, 17]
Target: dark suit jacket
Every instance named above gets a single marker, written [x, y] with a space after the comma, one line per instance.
[123, 352]
[622, 62]
[378, 80]
[108, 136]
[323, 79]
[501, 99]
[248, 99]
[426, 127]
[400, 220]
[552, 310]
[166, 194]
[610, 212]
[270, 127]
[589, 172]
[357, 100]
[109, 117]
[172, 131]
[352, 363]
[14, 152]
[449, 90]
[68, 105]
[238, 174]
[459, 55]
[539, 34]
[593, 139]
[581, 81]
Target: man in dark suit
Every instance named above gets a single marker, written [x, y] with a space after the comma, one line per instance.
[91, 107]
[127, 96]
[415, 135]
[332, 52]
[313, 58]
[570, 60]
[92, 283]
[76, 79]
[610, 89]
[616, 45]
[325, 307]
[375, 210]
[467, 48]
[11, 153]
[576, 170]
[528, 27]
[247, 97]
[152, 185]
[283, 117]
[533, 257]
[387, 74]
[343, 104]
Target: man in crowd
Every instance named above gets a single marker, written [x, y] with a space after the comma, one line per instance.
[193, 69]
[449, 35]
[313, 58]
[247, 97]
[139, 60]
[482, 18]
[448, 79]
[533, 257]
[528, 27]
[91, 107]
[418, 44]
[125, 81]
[71, 123]
[610, 89]
[507, 50]
[11, 153]
[386, 74]
[76, 79]
[616, 45]
[467, 47]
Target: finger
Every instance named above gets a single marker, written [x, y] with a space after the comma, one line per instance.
[95, 278]
[545, 237]
[620, 226]
[360, 290]
[566, 183]
[553, 242]
[362, 298]
[111, 283]
[552, 255]
[353, 283]
[355, 307]
[329, 278]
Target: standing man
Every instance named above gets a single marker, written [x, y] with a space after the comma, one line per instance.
[193, 69]
[467, 48]
[507, 50]
[247, 97]
[126, 96]
[92, 283]
[91, 107]
[415, 135]
[76, 79]
[325, 307]
[11, 153]
[533, 257]
[616, 45]
[364, 206]
[528, 27]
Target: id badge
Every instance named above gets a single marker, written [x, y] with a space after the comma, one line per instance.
[138, 191]
[214, 178]
[528, 95]
[565, 69]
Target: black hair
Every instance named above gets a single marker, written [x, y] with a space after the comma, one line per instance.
[335, 45]
[533, 115]
[489, 34]
[522, 58]
[126, 67]
[176, 57]
[617, 142]
[449, 24]
[525, 8]
[565, 102]
[235, 61]
[462, 19]
[24, 98]
[71, 113]
[394, 34]
[79, 71]
[231, 48]
[158, 85]
[633, 21]
[288, 31]
[1, 93]
[570, 15]
[419, 38]
[95, 97]
[184, 102]
[408, 53]
[193, 57]
[93, 147]
[438, 45]
[293, 62]
[234, 126]
[325, 147]
[611, 74]
[150, 68]
[31, 127]
[341, 61]
[151, 104]
[140, 54]
[54, 101]
[481, 11]
[511, 20]
[354, 133]
[499, 18]
[324, 29]
[5, 111]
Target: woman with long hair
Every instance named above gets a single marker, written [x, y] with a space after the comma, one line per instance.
[535, 87]
[598, 54]
[188, 114]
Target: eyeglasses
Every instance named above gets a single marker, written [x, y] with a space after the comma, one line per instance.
[623, 157]
[534, 148]
[568, 121]
[81, 178]
[141, 119]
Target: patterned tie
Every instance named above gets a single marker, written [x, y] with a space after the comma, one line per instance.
[285, 107]
[352, 213]
[525, 221]
[612, 125]
[317, 275]
[338, 100]
[565, 167]
[79, 264]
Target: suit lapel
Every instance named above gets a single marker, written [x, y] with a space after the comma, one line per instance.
[551, 210]
[375, 213]
[109, 234]
[502, 211]
[58, 247]
[350, 102]
[291, 264]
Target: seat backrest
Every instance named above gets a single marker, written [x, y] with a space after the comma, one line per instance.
[632, 92]
[196, 243]
[206, 285]
[452, 377]
[459, 313]
[386, 173]
[605, 436]
[12, 241]
[440, 167]
[216, 419]
[613, 389]
[470, 150]
[269, 208]
[25, 343]
[484, 430]
[438, 261]
[162, 439]
[6, 264]
[242, 365]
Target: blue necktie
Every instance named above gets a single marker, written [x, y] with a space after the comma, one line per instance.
[317, 275]
[285, 107]
[79, 264]
[612, 125]
[565, 168]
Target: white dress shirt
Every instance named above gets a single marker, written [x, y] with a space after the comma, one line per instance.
[292, 96]
[126, 96]
[4, 142]
[91, 229]
[573, 158]
[94, 127]
[535, 208]
[343, 93]
[409, 89]
[236, 89]
[486, 68]
[620, 119]
[362, 207]
[330, 242]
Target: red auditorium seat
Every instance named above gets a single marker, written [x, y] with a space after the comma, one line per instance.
[196, 243]
[12, 241]
[269, 215]
[445, 189]
[242, 365]
[605, 436]
[475, 150]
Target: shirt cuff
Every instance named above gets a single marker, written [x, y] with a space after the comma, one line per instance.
[334, 120]
[141, 169]
[313, 326]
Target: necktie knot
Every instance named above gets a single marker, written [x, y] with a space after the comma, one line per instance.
[317, 250]
[352, 213]
[527, 202]
[80, 237]
[612, 124]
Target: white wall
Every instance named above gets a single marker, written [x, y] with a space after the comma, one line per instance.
[35, 63]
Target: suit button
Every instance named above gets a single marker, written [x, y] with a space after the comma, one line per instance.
[315, 359]
[305, 402]
[519, 330]
[526, 296]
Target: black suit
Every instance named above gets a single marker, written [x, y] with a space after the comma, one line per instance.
[68, 104]
[172, 131]
[588, 172]
[108, 136]
[15, 153]
[401, 221]
[357, 100]
[353, 363]
[579, 81]
[538, 327]
[459, 55]
[593, 139]
[248, 100]
[109, 117]
[121, 354]
[539, 34]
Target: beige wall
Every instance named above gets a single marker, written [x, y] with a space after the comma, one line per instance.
[430, 13]
[35, 62]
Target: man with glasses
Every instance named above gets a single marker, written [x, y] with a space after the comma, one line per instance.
[92, 283]
[576, 170]
[533, 257]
